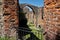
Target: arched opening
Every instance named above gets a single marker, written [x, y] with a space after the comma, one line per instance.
[24, 17]
[29, 14]
[23, 28]
[40, 5]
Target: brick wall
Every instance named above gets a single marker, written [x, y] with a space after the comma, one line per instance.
[10, 8]
[52, 19]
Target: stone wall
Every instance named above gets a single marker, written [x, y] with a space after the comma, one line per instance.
[40, 15]
[51, 19]
[10, 8]
[1, 18]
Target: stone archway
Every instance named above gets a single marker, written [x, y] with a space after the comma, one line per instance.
[34, 9]
[29, 14]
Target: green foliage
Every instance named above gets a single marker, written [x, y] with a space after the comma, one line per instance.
[7, 38]
[36, 31]
[4, 38]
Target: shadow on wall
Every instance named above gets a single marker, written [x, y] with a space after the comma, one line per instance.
[23, 27]
[58, 35]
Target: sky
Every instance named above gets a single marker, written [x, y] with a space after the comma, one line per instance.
[39, 3]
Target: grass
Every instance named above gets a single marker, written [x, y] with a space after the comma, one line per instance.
[7, 38]
[4, 38]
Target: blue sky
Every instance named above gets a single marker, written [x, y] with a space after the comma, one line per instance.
[38, 3]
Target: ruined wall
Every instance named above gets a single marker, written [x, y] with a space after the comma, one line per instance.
[31, 16]
[40, 15]
[10, 8]
[1, 18]
[52, 19]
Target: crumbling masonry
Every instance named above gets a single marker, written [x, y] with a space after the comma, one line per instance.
[8, 16]
[50, 21]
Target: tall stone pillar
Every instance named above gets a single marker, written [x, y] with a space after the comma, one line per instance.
[52, 19]
[1, 18]
[10, 8]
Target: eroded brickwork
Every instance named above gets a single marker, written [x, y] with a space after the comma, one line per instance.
[52, 19]
[10, 8]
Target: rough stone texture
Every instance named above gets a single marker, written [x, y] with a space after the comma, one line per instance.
[10, 8]
[51, 19]
[1, 18]
[40, 15]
